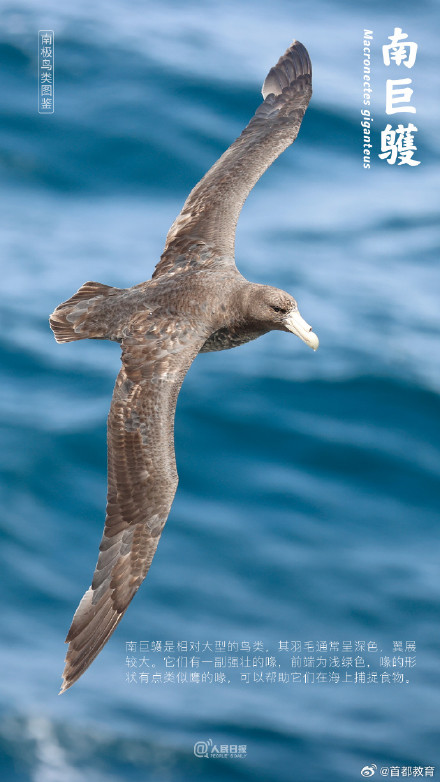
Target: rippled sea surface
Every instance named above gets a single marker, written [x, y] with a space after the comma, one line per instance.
[308, 504]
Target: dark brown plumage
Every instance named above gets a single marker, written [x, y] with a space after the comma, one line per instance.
[197, 301]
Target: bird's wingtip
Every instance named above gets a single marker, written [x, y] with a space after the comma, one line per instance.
[294, 63]
[65, 686]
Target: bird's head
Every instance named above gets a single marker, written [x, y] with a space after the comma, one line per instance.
[278, 310]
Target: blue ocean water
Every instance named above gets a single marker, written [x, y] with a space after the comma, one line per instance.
[308, 501]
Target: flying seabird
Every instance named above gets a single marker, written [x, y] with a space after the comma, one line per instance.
[197, 301]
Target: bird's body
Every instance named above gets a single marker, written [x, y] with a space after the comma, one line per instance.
[197, 301]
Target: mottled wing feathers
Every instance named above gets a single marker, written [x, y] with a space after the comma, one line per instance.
[209, 216]
[142, 480]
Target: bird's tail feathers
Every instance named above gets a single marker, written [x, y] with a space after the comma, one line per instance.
[78, 317]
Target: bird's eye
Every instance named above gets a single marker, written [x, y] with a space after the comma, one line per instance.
[277, 309]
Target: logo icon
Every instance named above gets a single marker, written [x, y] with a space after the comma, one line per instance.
[202, 748]
[369, 771]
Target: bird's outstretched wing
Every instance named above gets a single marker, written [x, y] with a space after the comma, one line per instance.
[142, 480]
[205, 228]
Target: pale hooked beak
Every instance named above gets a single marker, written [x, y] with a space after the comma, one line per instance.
[297, 325]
